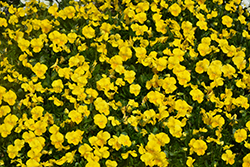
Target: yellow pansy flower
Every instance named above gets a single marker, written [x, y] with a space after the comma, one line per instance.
[57, 139]
[129, 76]
[110, 163]
[36, 44]
[240, 135]
[88, 32]
[57, 86]
[135, 89]
[197, 95]
[198, 146]
[228, 157]
[114, 143]
[4, 110]
[10, 97]
[175, 9]
[124, 140]
[246, 160]
[74, 137]
[3, 22]
[100, 120]
[226, 20]
[23, 44]
[40, 69]
[190, 161]
[75, 116]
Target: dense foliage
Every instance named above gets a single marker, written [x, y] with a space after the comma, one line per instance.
[125, 83]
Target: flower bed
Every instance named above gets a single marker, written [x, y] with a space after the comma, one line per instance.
[125, 83]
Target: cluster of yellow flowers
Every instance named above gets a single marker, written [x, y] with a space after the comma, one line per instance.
[115, 82]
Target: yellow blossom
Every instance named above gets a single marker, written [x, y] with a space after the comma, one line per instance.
[160, 64]
[175, 127]
[102, 106]
[57, 86]
[88, 32]
[114, 143]
[240, 62]
[46, 26]
[190, 161]
[10, 97]
[36, 44]
[120, 82]
[125, 52]
[129, 76]
[32, 163]
[204, 49]
[100, 120]
[23, 44]
[124, 140]
[12, 151]
[246, 160]
[161, 27]
[53, 10]
[161, 138]
[168, 85]
[155, 97]
[228, 157]
[74, 137]
[4, 110]
[183, 77]
[214, 70]
[101, 152]
[100, 139]
[37, 144]
[116, 61]
[139, 30]
[202, 66]
[228, 71]
[13, 19]
[57, 139]
[202, 25]
[217, 120]
[75, 116]
[57, 102]
[226, 20]
[240, 135]
[197, 95]
[125, 155]
[114, 121]
[70, 11]
[40, 69]
[83, 110]
[37, 112]
[85, 150]
[175, 9]
[198, 146]
[135, 89]
[3, 22]
[248, 125]
[40, 127]
[28, 136]
[110, 163]
[141, 17]
[182, 107]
